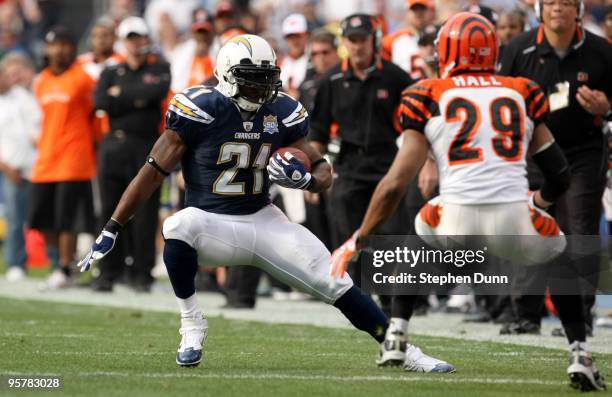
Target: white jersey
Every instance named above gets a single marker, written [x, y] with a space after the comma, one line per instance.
[402, 49]
[479, 128]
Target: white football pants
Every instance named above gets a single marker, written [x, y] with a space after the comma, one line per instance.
[266, 239]
[500, 225]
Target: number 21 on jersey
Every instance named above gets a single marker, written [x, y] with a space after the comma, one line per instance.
[241, 154]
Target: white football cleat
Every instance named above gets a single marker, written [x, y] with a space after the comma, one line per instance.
[194, 330]
[392, 351]
[582, 371]
[14, 274]
[57, 280]
[417, 361]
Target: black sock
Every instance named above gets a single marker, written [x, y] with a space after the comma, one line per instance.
[66, 270]
[182, 263]
[571, 313]
[363, 313]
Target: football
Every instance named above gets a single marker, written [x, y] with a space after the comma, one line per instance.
[297, 153]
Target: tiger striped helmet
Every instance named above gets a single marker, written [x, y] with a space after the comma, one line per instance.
[466, 43]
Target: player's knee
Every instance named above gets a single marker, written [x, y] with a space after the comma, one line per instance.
[176, 227]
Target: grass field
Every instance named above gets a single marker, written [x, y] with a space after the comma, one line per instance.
[110, 352]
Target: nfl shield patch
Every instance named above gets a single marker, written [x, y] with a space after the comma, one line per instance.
[248, 126]
[270, 124]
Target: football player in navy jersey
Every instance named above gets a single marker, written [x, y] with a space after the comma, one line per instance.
[224, 137]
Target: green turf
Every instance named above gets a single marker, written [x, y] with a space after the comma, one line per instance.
[103, 351]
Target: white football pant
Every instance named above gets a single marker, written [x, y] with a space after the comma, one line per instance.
[266, 239]
[500, 225]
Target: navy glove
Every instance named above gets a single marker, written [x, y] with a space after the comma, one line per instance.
[102, 246]
[287, 171]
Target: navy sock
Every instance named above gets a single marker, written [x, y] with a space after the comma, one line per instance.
[182, 263]
[363, 313]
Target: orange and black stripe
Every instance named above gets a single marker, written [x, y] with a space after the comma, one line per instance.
[417, 106]
[536, 102]
[545, 225]
[431, 214]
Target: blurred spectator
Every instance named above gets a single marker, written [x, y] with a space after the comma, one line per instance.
[309, 10]
[359, 96]
[131, 93]
[162, 15]
[510, 24]
[61, 199]
[225, 16]
[19, 128]
[102, 54]
[476, 7]
[323, 53]
[401, 47]
[19, 69]
[121, 9]
[427, 52]
[191, 62]
[294, 65]
[9, 39]
[608, 22]
[323, 56]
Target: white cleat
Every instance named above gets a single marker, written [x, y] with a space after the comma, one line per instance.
[194, 331]
[392, 351]
[417, 361]
[14, 274]
[582, 371]
[57, 280]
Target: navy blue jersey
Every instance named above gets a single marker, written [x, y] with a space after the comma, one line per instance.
[225, 163]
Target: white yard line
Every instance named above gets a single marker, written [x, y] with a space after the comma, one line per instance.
[449, 378]
[313, 313]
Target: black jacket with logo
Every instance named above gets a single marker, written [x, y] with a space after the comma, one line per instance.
[364, 113]
[588, 62]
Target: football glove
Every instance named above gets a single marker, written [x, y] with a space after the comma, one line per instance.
[100, 248]
[345, 254]
[287, 171]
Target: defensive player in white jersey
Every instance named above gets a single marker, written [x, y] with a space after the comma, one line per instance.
[225, 138]
[480, 128]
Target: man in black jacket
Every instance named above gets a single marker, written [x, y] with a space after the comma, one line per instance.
[573, 67]
[131, 93]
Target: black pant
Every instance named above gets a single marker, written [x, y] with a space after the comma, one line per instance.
[120, 158]
[577, 212]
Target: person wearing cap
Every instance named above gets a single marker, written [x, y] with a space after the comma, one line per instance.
[191, 63]
[131, 93]
[294, 65]
[357, 98]
[61, 198]
[401, 47]
[225, 16]
[572, 66]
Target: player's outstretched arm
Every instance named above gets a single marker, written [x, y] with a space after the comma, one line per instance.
[166, 153]
[321, 171]
[386, 197]
[390, 190]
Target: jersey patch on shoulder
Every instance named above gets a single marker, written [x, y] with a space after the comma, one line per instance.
[184, 107]
[298, 115]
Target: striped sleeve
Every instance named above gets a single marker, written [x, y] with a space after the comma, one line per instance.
[536, 103]
[417, 106]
